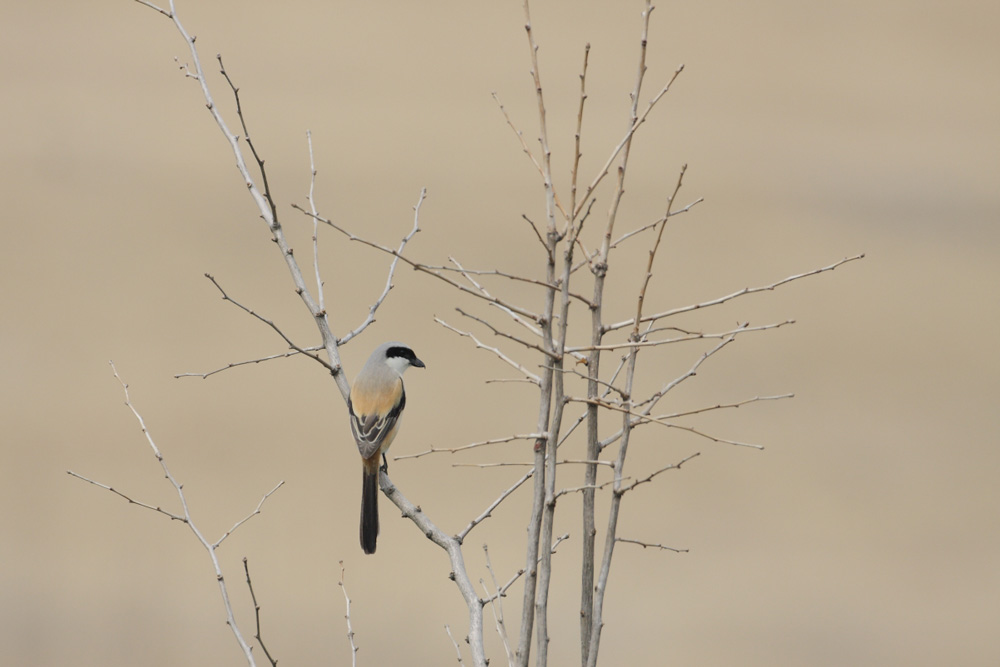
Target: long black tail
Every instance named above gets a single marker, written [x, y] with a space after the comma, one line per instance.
[369, 511]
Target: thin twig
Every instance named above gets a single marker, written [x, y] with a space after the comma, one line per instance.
[626, 139]
[459, 574]
[262, 200]
[642, 418]
[420, 267]
[734, 295]
[311, 197]
[488, 512]
[300, 350]
[722, 406]
[527, 151]
[481, 443]
[248, 516]
[502, 591]
[185, 517]
[458, 651]
[236, 364]
[246, 136]
[479, 344]
[584, 487]
[645, 545]
[649, 478]
[742, 328]
[392, 269]
[496, 604]
[347, 616]
[504, 334]
[514, 316]
[538, 234]
[502, 274]
[574, 172]
[256, 611]
[131, 501]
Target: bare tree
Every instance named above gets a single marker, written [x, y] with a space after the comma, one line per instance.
[577, 248]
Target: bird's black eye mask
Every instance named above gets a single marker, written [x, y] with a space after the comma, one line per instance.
[405, 353]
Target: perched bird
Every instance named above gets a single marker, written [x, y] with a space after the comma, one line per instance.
[376, 406]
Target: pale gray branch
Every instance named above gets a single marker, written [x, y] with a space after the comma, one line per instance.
[645, 545]
[742, 328]
[421, 267]
[248, 516]
[236, 364]
[392, 268]
[454, 643]
[649, 478]
[291, 344]
[453, 547]
[734, 295]
[496, 604]
[186, 518]
[347, 616]
[481, 443]
[489, 510]
[503, 357]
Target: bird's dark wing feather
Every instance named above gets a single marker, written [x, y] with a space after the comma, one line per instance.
[370, 430]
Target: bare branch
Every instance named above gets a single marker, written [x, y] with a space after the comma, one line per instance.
[248, 516]
[235, 364]
[300, 350]
[311, 197]
[256, 610]
[262, 200]
[504, 334]
[482, 443]
[734, 295]
[496, 604]
[514, 316]
[392, 269]
[131, 501]
[625, 237]
[610, 387]
[489, 510]
[640, 418]
[459, 573]
[246, 135]
[691, 372]
[535, 533]
[495, 272]
[534, 228]
[652, 254]
[479, 344]
[645, 545]
[649, 478]
[420, 267]
[742, 328]
[527, 151]
[186, 518]
[458, 651]
[347, 615]
[722, 406]
[169, 15]
[651, 402]
[574, 172]
[584, 487]
[626, 139]
[505, 464]
[502, 591]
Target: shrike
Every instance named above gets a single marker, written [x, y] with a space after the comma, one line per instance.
[376, 406]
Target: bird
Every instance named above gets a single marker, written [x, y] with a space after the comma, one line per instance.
[376, 405]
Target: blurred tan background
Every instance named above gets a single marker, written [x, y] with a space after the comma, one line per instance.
[865, 534]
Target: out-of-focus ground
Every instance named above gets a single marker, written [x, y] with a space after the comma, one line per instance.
[864, 534]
